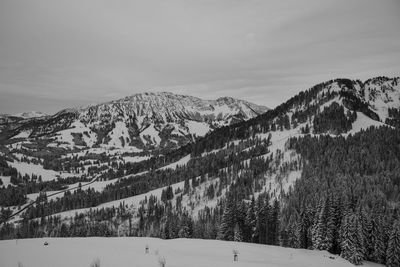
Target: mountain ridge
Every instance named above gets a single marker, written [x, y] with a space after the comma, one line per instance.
[142, 121]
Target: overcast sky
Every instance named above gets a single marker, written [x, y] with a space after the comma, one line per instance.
[58, 54]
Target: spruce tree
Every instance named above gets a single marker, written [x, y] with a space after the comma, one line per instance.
[304, 227]
[250, 223]
[378, 246]
[393, 251]
[367, 234]
[240, 214]
[237, 235]
[273, 224]
[335, 221]
[227, 221]
[261, 209]
[319, 229]
[293, 233]
[351, 237]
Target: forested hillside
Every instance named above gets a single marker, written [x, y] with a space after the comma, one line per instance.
[321, 171]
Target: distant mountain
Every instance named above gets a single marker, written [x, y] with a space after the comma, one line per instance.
[23, 115]
[30, 114]
[141, 121]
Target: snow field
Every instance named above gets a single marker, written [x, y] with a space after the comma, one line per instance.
[76, 127]
[47, 175]
[152, 133]
[130, 251]
[120, 130]
[198, 128]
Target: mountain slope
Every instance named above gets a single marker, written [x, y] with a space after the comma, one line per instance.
[311, 162]
[141, 121]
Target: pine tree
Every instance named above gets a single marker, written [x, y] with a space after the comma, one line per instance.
[237, 234]
[352, 244]
[273, 224]
[336, 217]
[378, 246]
[393, 251]
[367, 234]
[228, 221]
[250, 223]
[293, 234]
[305, 228]
[186, 227]
[325, 228]
[240, 214]
[319, 229]
[261, 210]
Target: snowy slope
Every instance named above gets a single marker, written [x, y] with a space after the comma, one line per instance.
[382, 93]
[146, 120]
[130, 251]
[156, 118]
[29, 168]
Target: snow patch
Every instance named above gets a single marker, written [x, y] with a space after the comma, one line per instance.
[198, 128]
[119, 131]
[363, 122]
[152, 133]
[6, 181]
[181, 162]
[23, 134]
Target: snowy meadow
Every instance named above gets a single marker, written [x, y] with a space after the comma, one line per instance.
[131, 251]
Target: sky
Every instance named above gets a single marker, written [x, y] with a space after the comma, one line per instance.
[60, 54]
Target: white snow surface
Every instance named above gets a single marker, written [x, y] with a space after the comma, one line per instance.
[152, 133]
[198, 128]
[183, 161]
[130, 251]
[135, 158]
[28, 168]
[383, 95]
[23, 134]
[120, 130]
[76, 127]
[363, 122]
[6, 181]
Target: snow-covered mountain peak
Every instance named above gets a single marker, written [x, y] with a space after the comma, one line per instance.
[144, 120]
[168, 107]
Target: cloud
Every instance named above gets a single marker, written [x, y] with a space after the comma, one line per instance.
[74, 52]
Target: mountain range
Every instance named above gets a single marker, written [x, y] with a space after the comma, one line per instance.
[319, 171]
[141, 121]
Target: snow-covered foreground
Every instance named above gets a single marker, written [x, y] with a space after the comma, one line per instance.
[130, 251]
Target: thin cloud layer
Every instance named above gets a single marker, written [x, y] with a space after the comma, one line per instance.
[57, 54]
